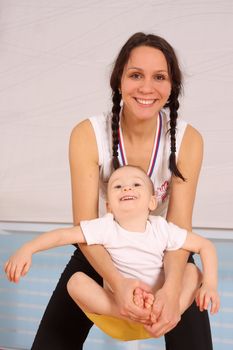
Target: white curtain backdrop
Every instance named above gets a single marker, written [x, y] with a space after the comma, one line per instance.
[55, 62]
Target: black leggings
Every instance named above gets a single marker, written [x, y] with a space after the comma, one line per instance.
[64, 326]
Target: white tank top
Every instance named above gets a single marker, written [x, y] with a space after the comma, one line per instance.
[158, 168]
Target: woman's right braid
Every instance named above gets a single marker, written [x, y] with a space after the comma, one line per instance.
[116, 99]
[174, 106]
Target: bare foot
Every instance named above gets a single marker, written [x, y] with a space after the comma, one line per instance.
[143, 299]
[138, 297]
[148, 299]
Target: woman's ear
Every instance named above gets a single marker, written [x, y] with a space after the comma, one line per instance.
[153, 203]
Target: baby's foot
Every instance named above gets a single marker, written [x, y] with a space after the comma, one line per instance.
[143, 299]
[138, 297]
[148, 300]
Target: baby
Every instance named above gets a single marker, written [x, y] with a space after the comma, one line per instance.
[136, 243]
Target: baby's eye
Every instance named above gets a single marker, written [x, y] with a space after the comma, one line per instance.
[137, 184]
[117, 187]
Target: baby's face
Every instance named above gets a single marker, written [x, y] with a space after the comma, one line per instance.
[129, 189]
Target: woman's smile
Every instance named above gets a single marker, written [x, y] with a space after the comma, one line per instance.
[145, 102]
[145, 83]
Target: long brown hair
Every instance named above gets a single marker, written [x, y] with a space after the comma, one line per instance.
[136, 40]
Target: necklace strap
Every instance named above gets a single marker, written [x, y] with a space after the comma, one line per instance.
[121, 149]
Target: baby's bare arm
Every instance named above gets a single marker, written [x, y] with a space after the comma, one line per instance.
[19, 263]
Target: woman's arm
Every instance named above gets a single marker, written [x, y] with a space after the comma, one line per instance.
[182, 197]
[84, 171]
[180, 210]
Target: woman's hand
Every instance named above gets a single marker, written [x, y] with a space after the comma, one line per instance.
[165, 312]
[18, 264]
[124, 294]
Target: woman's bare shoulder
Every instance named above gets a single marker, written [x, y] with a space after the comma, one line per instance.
[191, 145]
[193, 136]
[83, 141]
[83, 128]
[191, 152]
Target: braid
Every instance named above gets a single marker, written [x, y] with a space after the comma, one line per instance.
[174, 106]
[175, 75]
[116, 99]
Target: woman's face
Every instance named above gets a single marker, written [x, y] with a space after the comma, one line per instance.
[145, 83]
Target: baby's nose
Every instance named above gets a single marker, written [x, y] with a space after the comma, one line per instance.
[127, 188]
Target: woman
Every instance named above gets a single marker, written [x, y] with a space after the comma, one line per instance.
[141, 130]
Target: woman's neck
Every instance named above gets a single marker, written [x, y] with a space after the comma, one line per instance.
[135, 129]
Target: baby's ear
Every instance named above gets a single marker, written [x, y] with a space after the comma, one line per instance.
[153, 203]
[108, 208]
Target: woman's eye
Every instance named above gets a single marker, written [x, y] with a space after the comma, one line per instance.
[135, 76]
[160, 77]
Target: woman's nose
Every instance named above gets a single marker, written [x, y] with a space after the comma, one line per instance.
[146, 86]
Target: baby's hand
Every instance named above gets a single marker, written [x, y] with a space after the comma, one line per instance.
[18, 264]
[207, 295]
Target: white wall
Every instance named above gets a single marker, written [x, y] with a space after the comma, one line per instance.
[55, 61]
